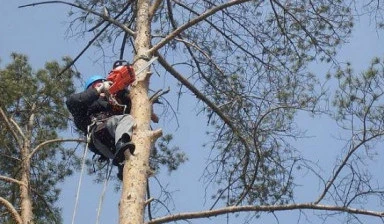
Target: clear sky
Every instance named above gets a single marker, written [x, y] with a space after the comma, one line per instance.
[40, 32]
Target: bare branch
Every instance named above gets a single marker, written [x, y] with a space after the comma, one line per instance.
[341, 166]
[156, 134]
[264, 208]
[101, 15]
[93, 40]
[194, 21]
[209, 58]
[149, 201]
[158, 94]
[11, 209]
[238, 45]
[54, 141]
[202, 97]
[154, 8]
[11, 180]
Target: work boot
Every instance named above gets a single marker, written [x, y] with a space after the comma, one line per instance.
[120, 169]
[123, 144]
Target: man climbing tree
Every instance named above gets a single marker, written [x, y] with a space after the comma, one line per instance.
[105, 120]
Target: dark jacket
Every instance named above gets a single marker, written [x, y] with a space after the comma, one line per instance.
[88, 104]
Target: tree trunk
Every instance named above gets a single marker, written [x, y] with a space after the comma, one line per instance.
[132, 202]
[25, 196]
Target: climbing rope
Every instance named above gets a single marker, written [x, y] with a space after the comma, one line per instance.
[82, 169]
[101, 200]
[108, 174]
[80, 178]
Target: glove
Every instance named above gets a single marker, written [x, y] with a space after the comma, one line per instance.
[103, 87]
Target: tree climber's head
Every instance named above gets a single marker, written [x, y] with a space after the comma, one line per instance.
[93, 81]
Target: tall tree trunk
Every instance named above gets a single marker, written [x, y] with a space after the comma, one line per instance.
[132, 200]
[25, 196]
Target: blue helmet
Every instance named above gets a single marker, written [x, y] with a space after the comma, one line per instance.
[91, 80]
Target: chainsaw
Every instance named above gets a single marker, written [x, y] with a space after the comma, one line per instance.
[123, 75]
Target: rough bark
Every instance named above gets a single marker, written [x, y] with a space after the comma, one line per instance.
[132, 200]
[25, 196]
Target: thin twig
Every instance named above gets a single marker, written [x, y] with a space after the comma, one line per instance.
[192, 22]
[92, 41]
[101, 15]
[204, 98]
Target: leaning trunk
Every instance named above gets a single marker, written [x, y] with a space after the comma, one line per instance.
[135, 177]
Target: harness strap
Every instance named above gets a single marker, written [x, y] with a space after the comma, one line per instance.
[114, 104]
[96, 135]
[103, 143]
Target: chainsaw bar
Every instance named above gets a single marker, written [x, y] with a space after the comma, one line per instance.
[153, 59]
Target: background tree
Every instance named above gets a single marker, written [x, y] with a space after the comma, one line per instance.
[247, 62]
[33, 159]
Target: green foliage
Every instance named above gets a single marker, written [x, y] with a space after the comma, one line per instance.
[35, 101]
[358, 100]
[164, 155]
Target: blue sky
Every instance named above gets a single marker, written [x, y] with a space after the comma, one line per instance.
[40, 32]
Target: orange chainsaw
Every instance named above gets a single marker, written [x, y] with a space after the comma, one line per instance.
[123, 75]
